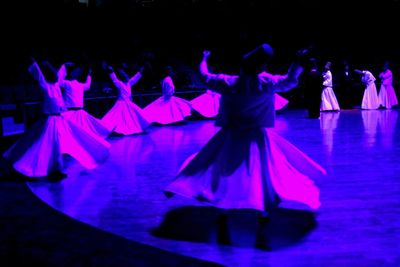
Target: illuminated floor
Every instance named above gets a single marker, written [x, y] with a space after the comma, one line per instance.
[357, 224]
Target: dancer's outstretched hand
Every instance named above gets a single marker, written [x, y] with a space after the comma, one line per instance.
[206, 53]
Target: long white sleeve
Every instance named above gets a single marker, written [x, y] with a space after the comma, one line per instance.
[167, 86]
[282, 83]
[62, 73]
[226, 79]
[327, 76]
[116, 81]
[37, 74]
[87, 83]
[368, 77]
[132, 81]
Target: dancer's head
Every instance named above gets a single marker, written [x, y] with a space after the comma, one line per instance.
[168, 71]
[386, 65]
[328, 65]
[49, 72]
[312, 64]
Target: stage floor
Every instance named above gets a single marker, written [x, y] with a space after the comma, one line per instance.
[357, 224]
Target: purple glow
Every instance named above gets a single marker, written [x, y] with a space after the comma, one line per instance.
[124, 195]
[382, 121]
[328, 124]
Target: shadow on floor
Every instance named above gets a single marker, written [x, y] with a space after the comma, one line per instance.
[240, 228]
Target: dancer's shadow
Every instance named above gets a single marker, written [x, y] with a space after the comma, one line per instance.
[240, 228]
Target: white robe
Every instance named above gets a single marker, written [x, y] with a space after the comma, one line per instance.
[39, 151]
[73, 92]
[247, 164]
[370, 98]
[328, 97]
[387, 95]
[125, 117]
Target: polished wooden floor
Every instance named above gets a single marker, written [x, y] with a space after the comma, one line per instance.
[358, 223]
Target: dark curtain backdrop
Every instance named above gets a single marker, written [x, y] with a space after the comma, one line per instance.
[175, 32]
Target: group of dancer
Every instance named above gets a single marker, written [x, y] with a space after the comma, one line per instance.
[63, 101]
[320, 95]
[386, 98]
[245, 165]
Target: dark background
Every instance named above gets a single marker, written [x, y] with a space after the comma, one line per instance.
[175, 32]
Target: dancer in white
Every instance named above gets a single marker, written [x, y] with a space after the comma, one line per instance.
[247, 164]
[328, 97]
[125, 117]
[280, 102]
[387, 95]
[168, 109]
[38, 153]
[207, 104]
[370, 98]
[73, 88]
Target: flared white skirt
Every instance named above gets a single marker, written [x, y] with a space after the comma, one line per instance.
[255, 168]
[280, 102]
[39, 151]
[387, 97]
[168, 111]
[87, 122]
[328, 100]
[126, 118]
[207, 104]
[370, 98]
